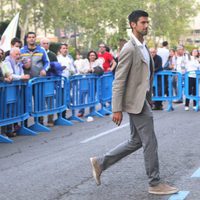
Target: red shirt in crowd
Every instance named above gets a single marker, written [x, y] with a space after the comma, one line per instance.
[108, 58]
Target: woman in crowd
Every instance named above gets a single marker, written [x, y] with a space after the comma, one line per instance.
[192, 65]
[92, 64]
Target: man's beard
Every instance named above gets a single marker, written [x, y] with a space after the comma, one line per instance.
[144, 33]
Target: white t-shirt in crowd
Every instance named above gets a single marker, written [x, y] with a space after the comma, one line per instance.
[86, 65]
[181, 63]
[192, 65]
[164, 54]
[68, 62]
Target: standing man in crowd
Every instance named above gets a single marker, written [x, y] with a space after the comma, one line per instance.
[39, 59]
[109, 63]
[180, 63]
[15, 42]
[67, 62]
[132, 94]
[163, 53]
[157, 105]
[37, 56]
[45, 43]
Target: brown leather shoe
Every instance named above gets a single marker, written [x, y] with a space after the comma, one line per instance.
[162, 189]
[96, 170]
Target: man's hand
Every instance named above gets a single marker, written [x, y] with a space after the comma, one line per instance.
[117, 117]
[43, 73]
[25, 77]
[8, 79]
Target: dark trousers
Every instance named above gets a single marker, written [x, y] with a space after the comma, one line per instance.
[192, 90]
[158, 104]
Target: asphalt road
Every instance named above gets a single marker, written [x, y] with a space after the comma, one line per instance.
[55, 165]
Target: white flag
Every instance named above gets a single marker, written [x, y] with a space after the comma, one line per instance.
[9, 34]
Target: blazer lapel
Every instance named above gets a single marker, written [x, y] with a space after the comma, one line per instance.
[138, 50]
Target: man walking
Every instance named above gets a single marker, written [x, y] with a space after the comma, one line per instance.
[132, 94]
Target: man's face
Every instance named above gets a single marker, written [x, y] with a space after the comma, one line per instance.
[180, 52]
[141, 26]
[102, 48]
[153, 52]
[31, 39]
[64, 50]
[17, 44]
[45, 44]
[16, 55]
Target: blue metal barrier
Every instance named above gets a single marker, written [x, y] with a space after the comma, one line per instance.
[106, 93]
[47, 96]
[165, 92]
[12, 107]
[84, 94]
[187, 86]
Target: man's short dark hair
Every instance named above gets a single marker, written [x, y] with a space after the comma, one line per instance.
[62, 44]
[30, 33]
[15, 40]
[136, 14]
[165, 43]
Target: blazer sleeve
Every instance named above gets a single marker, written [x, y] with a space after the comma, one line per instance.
[121, 75]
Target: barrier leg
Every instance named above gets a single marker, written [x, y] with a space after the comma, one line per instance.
[104, 110]
[170, 106]
[61, 121]
[39, 127]
[25, 131]
[75, 118]
[5, 139]
[94, 113]
[197, 106]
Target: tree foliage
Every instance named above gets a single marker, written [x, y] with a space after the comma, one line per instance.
[96, 21]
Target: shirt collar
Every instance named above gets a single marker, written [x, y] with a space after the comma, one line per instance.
[138, 43]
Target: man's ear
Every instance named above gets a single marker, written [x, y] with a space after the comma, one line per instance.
[132, 24]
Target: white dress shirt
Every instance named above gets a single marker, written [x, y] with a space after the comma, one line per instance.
[145, 53]
[68, 62]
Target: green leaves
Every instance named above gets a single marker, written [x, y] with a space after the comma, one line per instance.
[104, 20]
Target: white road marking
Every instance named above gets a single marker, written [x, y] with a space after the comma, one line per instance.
[110, 131]
[104, 133]
[196, 174]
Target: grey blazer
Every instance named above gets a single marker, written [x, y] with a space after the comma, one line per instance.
[131, 81]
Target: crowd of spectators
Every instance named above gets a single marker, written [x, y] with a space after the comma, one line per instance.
[34, 60]
[179, 60]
